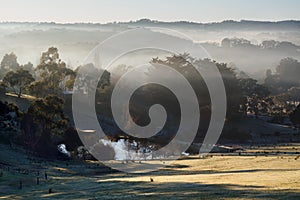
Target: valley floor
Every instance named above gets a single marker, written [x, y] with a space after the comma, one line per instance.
[215, 177]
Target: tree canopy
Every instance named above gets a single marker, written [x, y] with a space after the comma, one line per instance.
[18, 80]
[51, 73]
[44, 124]
[8, 63]
[285, 76]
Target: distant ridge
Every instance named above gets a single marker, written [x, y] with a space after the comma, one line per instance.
[226, 24]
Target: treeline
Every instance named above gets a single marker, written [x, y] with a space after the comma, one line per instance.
[246, 97]
[45, 124]
[50, 76]
[266, 44]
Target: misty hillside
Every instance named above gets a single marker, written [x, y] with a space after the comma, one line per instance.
[253, 46]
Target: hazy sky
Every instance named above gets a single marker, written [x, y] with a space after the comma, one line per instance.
[166, 10]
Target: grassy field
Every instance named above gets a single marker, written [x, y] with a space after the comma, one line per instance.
[215, 177]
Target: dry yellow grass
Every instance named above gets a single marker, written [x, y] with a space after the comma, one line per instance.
[262, 172]
[217, 177]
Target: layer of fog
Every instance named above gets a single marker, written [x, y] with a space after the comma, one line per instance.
[74, 42]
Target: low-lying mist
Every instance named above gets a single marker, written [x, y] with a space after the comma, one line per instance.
[252, 47]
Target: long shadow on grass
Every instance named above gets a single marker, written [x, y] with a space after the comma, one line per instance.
[171, 190]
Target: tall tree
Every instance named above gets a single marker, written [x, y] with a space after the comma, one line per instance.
[44, 123]
[51, 73]
[18, 80]
[8, 63]
[285, 77]
[288, 71]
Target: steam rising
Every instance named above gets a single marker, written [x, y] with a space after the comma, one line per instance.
[125, 150]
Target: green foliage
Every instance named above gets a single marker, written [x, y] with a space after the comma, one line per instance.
[10, 118]
[40, 89]
[288, 71]
[254, 94]
[87, 78]
[51, 73]
[250, 87]
[8, 63]
[45, 123]
[185, 65]
[284, 86]
[285, 77]
[48, 113]
[18, 80]
[28, 67]
[6, 108]
[234, 94]
[235, 42]
[69, 83]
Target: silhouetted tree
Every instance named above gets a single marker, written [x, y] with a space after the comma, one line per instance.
[45, 124]
[51, 73]
[288, 71]
[285, 77]
[18, 80]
